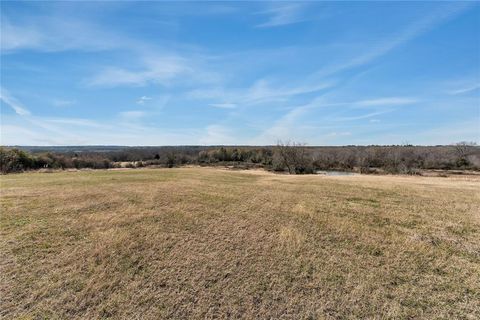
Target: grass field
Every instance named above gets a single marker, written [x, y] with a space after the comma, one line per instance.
[211, 243]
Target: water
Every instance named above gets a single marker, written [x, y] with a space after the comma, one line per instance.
[336, 173]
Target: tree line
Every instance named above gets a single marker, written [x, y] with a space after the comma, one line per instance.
[291, 157]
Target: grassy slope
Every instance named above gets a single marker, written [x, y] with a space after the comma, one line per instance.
[204, 243]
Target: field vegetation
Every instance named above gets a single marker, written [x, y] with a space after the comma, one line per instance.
[291, 157]
[212, 243]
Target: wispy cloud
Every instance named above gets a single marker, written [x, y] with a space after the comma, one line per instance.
[339, 134]
[16, 37]
[132, 115]
[13, 103]
[9, 131]
[143, 99]
[466, 89]
[283, 14]
[217, 135]
[261, 91]
[161, 69]
[269, 87]
[444, 134]
[389, 101]
[362, 116]
[35, 130]
[286, 123]
[75, 122]
[56, 33]
[288, 126]
[415, 29]
[223, 105]
[19, 135]
[63, 103]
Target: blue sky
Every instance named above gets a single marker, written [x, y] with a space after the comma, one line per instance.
[250, 73]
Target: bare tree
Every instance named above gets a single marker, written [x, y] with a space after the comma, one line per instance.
[294, 157]
[462, 151]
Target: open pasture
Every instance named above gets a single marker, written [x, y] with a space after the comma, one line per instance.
[211, 243]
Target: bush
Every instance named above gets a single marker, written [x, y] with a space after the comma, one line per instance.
[14, 160]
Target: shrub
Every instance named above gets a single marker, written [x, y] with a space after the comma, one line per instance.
[15, 160]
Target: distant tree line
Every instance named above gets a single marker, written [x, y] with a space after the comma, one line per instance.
[290, 157]
[16, 160]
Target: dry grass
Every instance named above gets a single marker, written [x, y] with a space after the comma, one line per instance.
[210, 243]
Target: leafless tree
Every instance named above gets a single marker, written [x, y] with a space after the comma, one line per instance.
[462, 151]
[294, 157]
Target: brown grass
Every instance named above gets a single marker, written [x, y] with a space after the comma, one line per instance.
[210, 243]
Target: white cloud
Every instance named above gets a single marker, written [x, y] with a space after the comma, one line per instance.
[261, 91]
[143, 99]
[151, 67]
[56, 33]
[440, 134]
[415, 29]
[217, 135]
[63, 103]
[75, 122]
[390, 101]
[466, 89]
[290, 126]
[17, 135]
[132, 115]
[113, 76]
[223, 105]
[339, 134]
[32, 130]
[282, 15]
[16, 37]
[286, 127]
[161, 69]
[363, 116]
[13, 103]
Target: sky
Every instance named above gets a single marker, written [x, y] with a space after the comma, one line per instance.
[239, 73]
